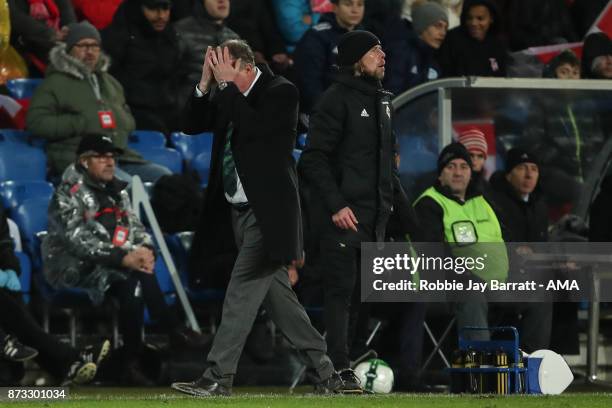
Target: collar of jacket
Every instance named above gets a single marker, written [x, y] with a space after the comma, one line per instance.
[63, 62]
[76, 173]
[500, 184]
[266, 76]
[473, 191]
[365, 84]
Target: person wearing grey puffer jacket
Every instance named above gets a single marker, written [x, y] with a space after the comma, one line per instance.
[205, 27]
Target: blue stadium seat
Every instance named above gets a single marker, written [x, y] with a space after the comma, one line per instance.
[31, 217]
[201, 164]
[22, 88]
[22, 162]
[165, 157]
[141, 140]
[301, 140]
[14, 193]
[21, 136]
[191, 145]
[296, 154]
[26, 275]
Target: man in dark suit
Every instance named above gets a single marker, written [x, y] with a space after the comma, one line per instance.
[253, 183]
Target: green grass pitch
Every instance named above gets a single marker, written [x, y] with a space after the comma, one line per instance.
[95, 397]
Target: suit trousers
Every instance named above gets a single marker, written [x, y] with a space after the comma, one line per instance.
[256, 282]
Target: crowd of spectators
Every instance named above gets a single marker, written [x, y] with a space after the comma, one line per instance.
[113, 66]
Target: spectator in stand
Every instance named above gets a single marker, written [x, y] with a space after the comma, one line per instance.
[411, 57]
[476, 144]
[58, 359]
[379, 13]
[253, 22]
[205, 27]
[97, 243]
[78, 97]
[523, 214]
[474, 47]
[531, 23]
[36, 26]
[147, 61]
[316, 53]
[566, 65]
[294, 18]
[597, 57]
[98, 12]
[453, 8]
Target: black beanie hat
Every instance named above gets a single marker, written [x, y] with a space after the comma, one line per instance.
[595, 45]
[451, 152]
[353, 45]
[516, 156]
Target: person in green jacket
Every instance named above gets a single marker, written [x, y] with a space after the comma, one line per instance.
[77, 98]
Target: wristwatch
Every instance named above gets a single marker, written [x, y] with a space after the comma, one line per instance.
[222, 85]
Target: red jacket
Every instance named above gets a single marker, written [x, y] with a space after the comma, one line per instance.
[98, 12]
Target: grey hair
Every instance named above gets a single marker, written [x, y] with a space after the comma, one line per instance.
[240, 49]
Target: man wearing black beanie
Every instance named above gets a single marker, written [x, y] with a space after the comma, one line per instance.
[350, 184]
[455, 212]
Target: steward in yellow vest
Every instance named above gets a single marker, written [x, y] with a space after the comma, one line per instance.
[454, 211]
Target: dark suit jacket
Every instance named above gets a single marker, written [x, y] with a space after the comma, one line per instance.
[262, 143]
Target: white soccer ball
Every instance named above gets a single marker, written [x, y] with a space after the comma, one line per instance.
[376, 376]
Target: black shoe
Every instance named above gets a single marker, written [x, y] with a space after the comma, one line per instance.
[187, 338]
[352, 384]
[202, 387]
[13, 350]
[336, 385]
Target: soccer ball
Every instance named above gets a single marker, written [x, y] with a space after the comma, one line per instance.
[376, 376]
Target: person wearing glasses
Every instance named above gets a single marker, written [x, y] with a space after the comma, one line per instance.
[78, 97]
[96, 243]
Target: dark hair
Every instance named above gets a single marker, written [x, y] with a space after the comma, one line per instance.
[240, 49]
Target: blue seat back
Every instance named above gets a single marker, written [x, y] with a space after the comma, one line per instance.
[165, 156]
[22, 162]
[14, 193]
[31, 218]
[23, 88]
[141, 140]
[301, 140]
[191, 145]
[21, 136]
[296, 154]
[201, 164]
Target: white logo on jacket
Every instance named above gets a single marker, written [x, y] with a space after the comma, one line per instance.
[364, 113]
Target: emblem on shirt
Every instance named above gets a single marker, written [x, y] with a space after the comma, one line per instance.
[364, 113]
[464, 232]
[494, 64]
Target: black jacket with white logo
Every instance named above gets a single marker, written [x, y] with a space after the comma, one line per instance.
[349, 159]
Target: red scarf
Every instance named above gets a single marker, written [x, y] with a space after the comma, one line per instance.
[47, 11]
